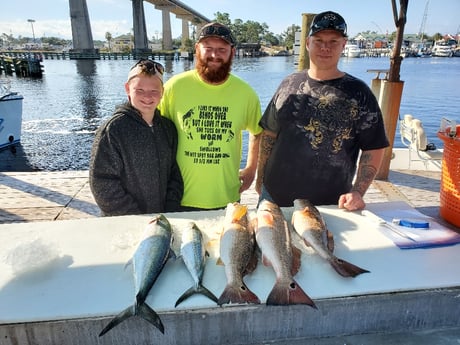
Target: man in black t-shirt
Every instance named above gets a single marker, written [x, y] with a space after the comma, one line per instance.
[315, 127]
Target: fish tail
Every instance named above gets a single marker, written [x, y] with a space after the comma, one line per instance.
[200, 289]
[142, 310]
[148, 314]
[237, 294]
[284, 293]
[125, 314]
[346, 269]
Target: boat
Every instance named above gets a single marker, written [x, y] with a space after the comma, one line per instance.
[442, 49]
[10, 115]
[352, 51]
[456, 52]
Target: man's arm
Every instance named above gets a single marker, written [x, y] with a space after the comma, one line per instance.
[267, 142]
[249, 172]
[368, 166]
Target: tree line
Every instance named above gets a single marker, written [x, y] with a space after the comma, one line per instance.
[245, 32]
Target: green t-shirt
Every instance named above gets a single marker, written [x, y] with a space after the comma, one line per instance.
[210, 120]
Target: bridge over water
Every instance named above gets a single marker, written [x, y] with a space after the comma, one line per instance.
[81, 27]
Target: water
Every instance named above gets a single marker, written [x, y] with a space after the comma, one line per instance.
[62, 110]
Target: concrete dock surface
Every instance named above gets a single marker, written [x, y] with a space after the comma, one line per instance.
[60, 195]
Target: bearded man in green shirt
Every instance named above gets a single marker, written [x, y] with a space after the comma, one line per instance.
[211, 108]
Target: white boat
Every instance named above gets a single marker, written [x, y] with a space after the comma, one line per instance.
[352, 51]
[442, 49]
[10, 115]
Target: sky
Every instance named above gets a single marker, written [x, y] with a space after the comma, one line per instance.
[115, 16]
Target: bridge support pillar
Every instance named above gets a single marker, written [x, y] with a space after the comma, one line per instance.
[185, 33]
[167, 34]
[82, 38]
[141, 43]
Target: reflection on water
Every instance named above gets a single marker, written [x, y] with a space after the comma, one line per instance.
[87, 72]
[62, 110]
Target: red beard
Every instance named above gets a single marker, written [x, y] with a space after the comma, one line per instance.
[212, 75]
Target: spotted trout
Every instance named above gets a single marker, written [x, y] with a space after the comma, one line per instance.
[237, 253]
[274, 240]
[194, 255]
[148, 261]
[310, 225]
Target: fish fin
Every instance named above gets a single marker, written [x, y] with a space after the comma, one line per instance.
[266, 261]
[346, 269]
[265, 218]
[308, 244]
[252, 264]
[253, 223]
[125, 314]
[284, 293]
[296, 260]
[129, 263]
[172, 255]
[148, 314]
[196, 290]
[142, 310]
[239, 294]
[330, 241]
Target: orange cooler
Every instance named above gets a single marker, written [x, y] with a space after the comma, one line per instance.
[450, 178]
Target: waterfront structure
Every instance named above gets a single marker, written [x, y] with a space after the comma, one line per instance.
[83, 46]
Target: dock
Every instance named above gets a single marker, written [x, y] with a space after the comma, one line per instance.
[23, 65]
[64, 195]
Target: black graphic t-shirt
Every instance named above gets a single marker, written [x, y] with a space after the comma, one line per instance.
[321, 127]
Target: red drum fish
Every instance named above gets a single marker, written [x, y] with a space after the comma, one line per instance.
[310, 225]
[237, 253]
[274, 240]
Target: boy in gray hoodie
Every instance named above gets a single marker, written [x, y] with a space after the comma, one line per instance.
[133, 168]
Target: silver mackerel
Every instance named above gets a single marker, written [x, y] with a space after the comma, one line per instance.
[194, 254]
[148, 261]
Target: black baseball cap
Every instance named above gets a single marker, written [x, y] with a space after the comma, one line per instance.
[217, 30]
[328, 21]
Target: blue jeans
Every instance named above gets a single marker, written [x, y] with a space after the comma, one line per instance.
[264, 195]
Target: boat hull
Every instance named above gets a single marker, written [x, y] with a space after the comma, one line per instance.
[10, 119]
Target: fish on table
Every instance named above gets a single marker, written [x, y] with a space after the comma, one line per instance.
[237, 254]
[273, 238]
[148, 261]
[194, 254]
[309, 224]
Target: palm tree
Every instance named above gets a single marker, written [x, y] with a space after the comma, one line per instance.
[108, 37]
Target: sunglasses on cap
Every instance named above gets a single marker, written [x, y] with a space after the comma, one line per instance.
[150, 66]
[217, 30]
[328, 21]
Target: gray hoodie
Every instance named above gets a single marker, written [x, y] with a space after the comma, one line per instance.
[133, 168]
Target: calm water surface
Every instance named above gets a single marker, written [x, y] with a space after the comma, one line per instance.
[62, 110]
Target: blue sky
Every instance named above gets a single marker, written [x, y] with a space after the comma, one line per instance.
[115, 16]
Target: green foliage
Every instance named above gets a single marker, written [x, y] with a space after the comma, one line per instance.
[253, 32]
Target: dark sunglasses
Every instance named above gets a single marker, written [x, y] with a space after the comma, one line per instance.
[329, 22]
[150, 66]
[217, 30]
